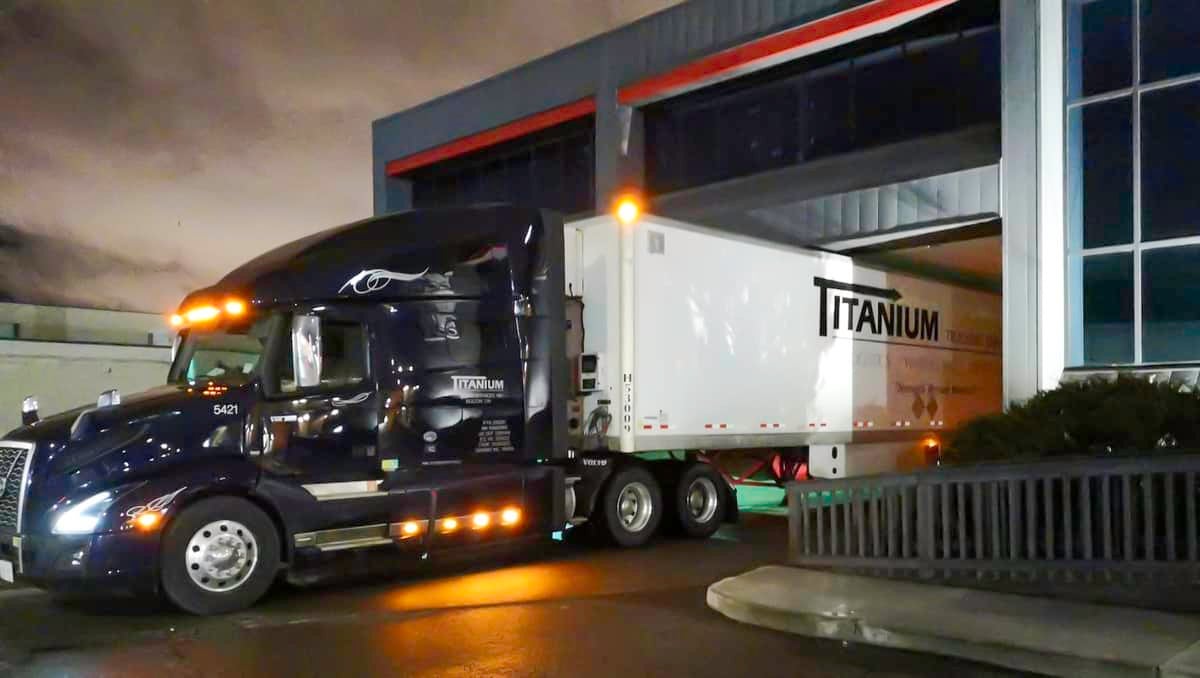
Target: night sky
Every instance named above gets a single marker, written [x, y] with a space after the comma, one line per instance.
[147, 147]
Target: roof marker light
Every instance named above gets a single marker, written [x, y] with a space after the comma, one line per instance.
[176, 320]
[201, 314]
[235, 307]
[480, 520]
[628, 210]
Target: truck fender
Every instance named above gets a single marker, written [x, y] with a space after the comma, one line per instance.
[172, 492]
[593, 469]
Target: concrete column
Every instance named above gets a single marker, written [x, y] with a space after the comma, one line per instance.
[1019, 191]
[1052, 231]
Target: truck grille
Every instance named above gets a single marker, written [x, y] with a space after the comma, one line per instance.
[13, 460]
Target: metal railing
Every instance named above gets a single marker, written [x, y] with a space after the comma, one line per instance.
[1094, 520]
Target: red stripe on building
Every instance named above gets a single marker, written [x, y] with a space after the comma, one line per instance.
[774, 48]
[491, 137]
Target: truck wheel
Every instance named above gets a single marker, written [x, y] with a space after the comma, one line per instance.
[631, 507]
[220, 555]
[700, 500]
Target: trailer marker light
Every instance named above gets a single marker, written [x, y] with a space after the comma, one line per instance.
[449, 524]
[480, 520]
[628, 210]
[510, 516]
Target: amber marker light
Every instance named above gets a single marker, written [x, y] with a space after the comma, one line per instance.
[176, 320]
[628, 210]
[201, 314]
[449, 524]
[510, 516]
[235, 307]
[480, 520]
[410, 529]
[148, 520]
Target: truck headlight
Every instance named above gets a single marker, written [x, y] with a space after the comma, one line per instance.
[84, 517]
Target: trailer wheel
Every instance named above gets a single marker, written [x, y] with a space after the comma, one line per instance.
[700, 500]
[219, 555]
[631, 507]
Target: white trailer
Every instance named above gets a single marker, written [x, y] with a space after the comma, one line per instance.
[697, 339]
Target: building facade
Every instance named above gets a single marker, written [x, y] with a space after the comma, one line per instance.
[1038, 148]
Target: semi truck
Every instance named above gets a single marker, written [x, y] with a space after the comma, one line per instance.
[447, 381]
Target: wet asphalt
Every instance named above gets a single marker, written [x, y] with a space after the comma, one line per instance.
[557, 609]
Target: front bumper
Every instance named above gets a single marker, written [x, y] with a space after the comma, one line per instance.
[112, 562]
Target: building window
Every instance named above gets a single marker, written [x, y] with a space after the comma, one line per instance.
[1171, 162]
[553, 168]
[1170, 38]
[1099, 46]
[938, 74]
[1133, 106]
[1108, 309]
[1170, 304]
[1105, 160]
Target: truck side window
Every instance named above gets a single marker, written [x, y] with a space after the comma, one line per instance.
[343, 358]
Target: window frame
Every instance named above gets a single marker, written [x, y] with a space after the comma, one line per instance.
[1076, 254]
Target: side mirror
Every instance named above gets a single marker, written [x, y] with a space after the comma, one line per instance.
[306, 350]
[29, 411]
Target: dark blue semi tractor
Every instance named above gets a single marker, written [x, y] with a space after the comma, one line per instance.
[397, 384]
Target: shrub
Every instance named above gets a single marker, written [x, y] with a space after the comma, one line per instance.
[1096, 417]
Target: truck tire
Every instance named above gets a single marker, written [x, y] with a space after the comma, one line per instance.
[219, 555]
[631, 507]
[700, 499]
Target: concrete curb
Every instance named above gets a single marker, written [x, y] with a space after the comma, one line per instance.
[768, 597]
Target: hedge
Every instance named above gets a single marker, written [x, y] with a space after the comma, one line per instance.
[1097, 417]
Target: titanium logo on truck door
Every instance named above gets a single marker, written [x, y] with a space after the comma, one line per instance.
[472, 386]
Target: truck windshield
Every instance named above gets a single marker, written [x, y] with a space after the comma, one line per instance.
[228, 354]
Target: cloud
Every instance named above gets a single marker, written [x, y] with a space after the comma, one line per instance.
[179, 139]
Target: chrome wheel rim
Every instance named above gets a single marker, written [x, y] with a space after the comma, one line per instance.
[702, 500]
[635, 507]
[221, 556]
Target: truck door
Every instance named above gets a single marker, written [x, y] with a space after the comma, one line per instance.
[319, 417]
